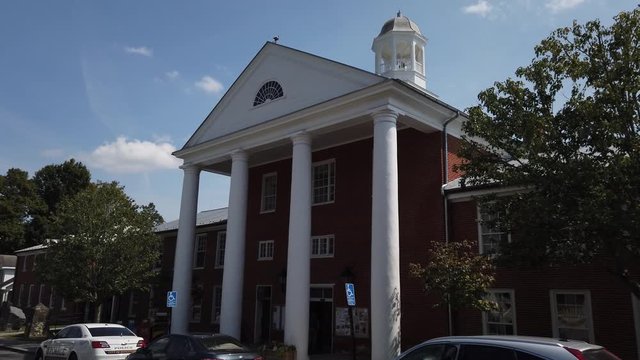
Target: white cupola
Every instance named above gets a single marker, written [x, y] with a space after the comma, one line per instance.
[399, 50]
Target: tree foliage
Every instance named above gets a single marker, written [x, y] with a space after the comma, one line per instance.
[54, 183]
[566, 132]
[18, 201]
[457, 275]
[110, 246]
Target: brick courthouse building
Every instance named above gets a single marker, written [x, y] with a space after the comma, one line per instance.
[338, 171]
[340, 174]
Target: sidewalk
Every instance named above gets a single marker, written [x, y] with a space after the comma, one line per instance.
[14, 341]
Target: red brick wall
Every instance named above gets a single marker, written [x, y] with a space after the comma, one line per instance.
[610, 300]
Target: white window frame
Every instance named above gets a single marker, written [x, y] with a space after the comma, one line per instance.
[265, 250]
[331, 186]
[200, 246]
[588, 310]
[482, 234]
[221, 243]
[216, 304]
[330, 246]
[264, 196]
[24, 263]
[485, 314]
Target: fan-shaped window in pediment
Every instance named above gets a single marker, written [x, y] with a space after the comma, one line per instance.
[271, 90]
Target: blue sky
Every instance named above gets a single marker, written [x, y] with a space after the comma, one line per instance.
[121, 84]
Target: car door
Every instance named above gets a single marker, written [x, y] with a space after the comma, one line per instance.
[53, 349]
[157, 350]
[68, 343]
[179, 348]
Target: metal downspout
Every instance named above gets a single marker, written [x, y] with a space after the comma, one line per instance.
[445, 207]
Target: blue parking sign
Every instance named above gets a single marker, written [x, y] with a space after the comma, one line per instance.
[351, 294]
[172, 298]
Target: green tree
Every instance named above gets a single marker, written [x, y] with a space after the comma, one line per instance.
[566, 133]
[18, 201]
[54, 183]
[458, 276]
[110, 246]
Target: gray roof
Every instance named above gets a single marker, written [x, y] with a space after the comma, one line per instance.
[8, 260]
[399, 23]
[207, 217]
[33, 248]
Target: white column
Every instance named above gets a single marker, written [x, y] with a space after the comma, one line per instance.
[183, 263]
[385, 251]
[233, 275]
[296, 328]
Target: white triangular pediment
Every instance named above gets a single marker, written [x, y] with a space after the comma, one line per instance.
[306, 80]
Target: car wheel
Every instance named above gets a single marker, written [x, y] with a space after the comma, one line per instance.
[38, 355]
[73, 356]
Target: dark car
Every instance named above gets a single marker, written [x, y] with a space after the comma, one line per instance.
[195, 347]
[505, 348]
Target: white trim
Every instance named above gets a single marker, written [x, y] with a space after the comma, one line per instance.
[24, 263]
[331, 187]
[471, 194]
[588, 311]
[219, 260]
[485, 315]
[262, 193]
[635, 304]
[40, 291]
[31, 287]
[263, 253]
[323, 286]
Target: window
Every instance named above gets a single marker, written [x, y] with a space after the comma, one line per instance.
[501, 321]
[485, 352]
[490, 232]
[322, 246]
[133, 304]
[200, 251]
[220, 245]
[571, 315]
[30, 294]
[324, 180]
[435, 352]
[217, 304]
[269, 187]
[40, 293]
[24, 263]
[20, 295]
[271, 90]
[265, 250]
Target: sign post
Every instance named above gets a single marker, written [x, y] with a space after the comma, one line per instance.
[350, 292]
[172, 301]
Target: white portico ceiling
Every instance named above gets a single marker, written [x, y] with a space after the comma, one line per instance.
[332, 102]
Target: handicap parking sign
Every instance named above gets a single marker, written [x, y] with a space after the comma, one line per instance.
[351, 294]
[172, 298]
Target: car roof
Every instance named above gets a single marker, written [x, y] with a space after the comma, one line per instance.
[511, 340]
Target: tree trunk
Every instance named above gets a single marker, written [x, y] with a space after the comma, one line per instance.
[98, 312]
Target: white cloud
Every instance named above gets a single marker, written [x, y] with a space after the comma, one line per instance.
[481, 8]
[172, 75]
[132, 156]
[209, 85]
[560, 5]
[142, 50]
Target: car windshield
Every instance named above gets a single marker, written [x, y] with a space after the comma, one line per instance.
[599, 354]
[221, 343]
[110, 331]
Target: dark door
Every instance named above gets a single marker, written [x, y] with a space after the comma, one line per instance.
[320, 326]
[263, 314]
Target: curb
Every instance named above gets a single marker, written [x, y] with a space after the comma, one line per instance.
[16, 349]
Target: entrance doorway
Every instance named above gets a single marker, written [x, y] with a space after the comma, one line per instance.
[321, 319]
[263, 315]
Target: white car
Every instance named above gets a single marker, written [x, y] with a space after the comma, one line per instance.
[90, 342]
